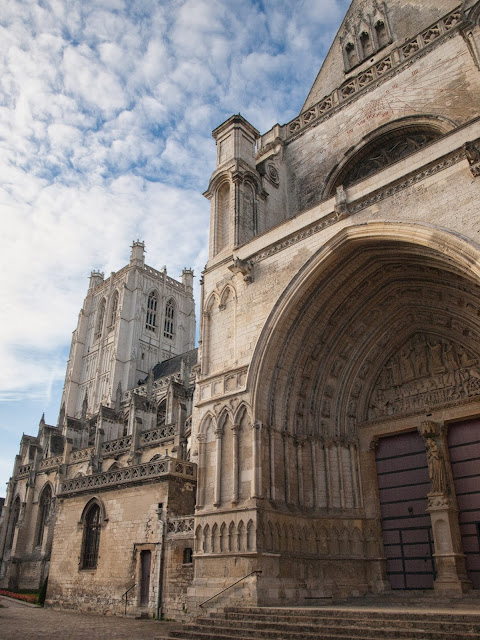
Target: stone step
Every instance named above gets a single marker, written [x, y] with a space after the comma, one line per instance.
[359, 613]
[293, 632]
[334, 623]
[431, 624]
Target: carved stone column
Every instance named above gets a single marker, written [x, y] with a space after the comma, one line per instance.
[299, 447]
[202, 444]
[218, 468]
[449, 556]
[256, 470]
[235, 463]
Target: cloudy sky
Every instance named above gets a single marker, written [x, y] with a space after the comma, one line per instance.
[106, 113]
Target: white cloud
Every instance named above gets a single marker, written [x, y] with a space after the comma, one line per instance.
[106, 112]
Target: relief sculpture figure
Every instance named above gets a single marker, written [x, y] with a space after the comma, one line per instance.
[436, 467]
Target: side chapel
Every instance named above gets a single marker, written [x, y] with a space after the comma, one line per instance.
[327, 440]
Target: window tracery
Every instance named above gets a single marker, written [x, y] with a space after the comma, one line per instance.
[14, 522]
[114, 309]
[91, 537]
[43, 513]
[100, 317]
[169, 325]
[151, 319]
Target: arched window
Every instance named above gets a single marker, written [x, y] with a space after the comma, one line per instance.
[384, 150]
[169, 325]
[100, 317]
[13, 522]
[381, 33]
[114, 309]
[351, 55]
[91, 537]
[151, 322]
[43, 512]
[222, 217]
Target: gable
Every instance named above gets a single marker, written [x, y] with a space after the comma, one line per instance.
[368, 32]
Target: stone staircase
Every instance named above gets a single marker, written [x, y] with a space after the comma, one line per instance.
[332, 623]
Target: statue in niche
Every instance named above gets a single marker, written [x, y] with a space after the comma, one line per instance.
[436, 467]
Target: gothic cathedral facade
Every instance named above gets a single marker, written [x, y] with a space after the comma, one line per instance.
[326, 442]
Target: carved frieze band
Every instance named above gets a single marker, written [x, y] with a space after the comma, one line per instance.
[222, 385]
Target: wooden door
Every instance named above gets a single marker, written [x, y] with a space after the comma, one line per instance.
[403, 484]
[464, 447]
[145, 567]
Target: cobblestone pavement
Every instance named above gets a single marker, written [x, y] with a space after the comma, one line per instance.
[18, 622]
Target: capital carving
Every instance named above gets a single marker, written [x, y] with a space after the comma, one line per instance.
[430, 429]
[438, 502]
[202, 438]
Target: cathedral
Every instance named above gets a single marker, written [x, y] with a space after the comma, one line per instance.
[324, 442]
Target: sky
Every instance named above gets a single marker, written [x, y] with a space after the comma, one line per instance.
[106, 114]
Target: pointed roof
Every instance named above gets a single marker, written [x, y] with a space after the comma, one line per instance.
[405, 20]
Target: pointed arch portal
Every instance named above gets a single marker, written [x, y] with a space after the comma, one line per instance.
[382, 325]
[384, 320]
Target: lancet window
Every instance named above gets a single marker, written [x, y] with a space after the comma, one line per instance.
[43, 512]
[91, 537]
[114, 309]
[100, 317]
[169, 325]
[151, 321]
[13, 522]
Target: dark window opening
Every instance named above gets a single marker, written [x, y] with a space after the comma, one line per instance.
[187, 556]
[168, 329]
[44, 510]
[13, 522]
[91, 538]
[151, 320]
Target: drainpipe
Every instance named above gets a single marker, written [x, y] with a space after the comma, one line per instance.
[161, 572]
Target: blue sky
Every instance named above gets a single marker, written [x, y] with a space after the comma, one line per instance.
[106, 113]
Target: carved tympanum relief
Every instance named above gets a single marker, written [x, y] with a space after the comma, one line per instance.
[426, 371]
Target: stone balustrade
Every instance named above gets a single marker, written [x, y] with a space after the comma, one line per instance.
[50, 463]
[116, 446]
[81, 454]
[129, 475]
[179, 526]
[158, 435]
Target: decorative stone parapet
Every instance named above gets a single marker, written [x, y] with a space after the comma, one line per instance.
[181, 526]
[50, 463]
[129, 475]
[24, 469]
[81, 454]
[116, 446]
[154, 436]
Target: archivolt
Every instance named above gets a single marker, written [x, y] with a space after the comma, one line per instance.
[364, 295]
